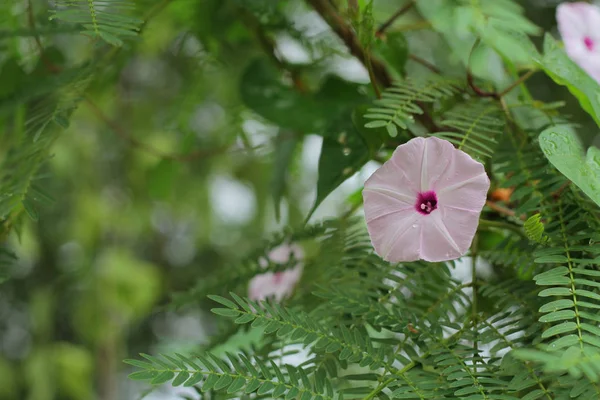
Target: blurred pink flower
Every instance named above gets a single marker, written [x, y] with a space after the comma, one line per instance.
[579, 27]
[425, 202]
[279, 284]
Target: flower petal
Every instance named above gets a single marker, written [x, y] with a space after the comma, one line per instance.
[388, 190]
[395, 237]
[577, 23]
[407, 161]
[398, 231]
[278, 285]
[463, 184]
[469, 196]
[437, 157]
[447, 235]
[572, 19]
[382, 202]
[267, 285]
[282, 254]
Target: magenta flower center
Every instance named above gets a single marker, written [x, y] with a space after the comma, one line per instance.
[278, 277]
[426, 202]
[589, 43]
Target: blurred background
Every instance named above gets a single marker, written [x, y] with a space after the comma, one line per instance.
[164, 175]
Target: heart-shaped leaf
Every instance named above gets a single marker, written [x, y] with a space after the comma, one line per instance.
[564, 150]
[565, 72]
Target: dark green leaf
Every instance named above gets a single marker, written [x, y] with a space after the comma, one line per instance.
[564, 150]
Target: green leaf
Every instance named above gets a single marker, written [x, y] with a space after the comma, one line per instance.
[244, 319]
[556, 305]
[373, 138]
[180, 378]
[555, 292]
[31, 209]
[194, 379]
[366, 28]
[289, 107]
[139, 364]
[210, 382]
[343, 153]
[285, 143]
[252, 386]
[236, 385]
[564, 150]
[223, 382]
[163, 377]
[565, 341]
[393, 48]
[565, 72]
[266, 387]
[558, 259]
[533, 395]
[559, 329]
[222, 300]
[143, 375]
[225, 312]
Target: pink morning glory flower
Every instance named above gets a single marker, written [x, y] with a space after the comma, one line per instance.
[277, 285]
[425, 202]
[579, 27]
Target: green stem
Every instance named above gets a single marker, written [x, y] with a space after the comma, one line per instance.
[524, 91]
[372, 74]
[378, 389]
[394, 17]
[517, 83]
[484, 223]
[474, 318]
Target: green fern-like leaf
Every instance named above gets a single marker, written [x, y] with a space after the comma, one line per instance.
[110, 20]
[234, 374]
[54, 101]
[397, 105]
[534, 229]
[475, 127]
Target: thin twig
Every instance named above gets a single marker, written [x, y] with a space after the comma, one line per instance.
[503, 210]
[517, 83]
[122, 133]
[394, 17]
[326, 10]
[475, 294]
[425, 63]
[478, 91]
[268, 45]
[414, 26]
[372, 77]
[502, 225]
[50, 66]
[561, 189]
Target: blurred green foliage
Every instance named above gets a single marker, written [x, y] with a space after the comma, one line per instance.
[136, 164]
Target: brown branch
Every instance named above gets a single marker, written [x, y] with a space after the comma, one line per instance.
[478, 91]
[345, 32]
[503, 210]
[561, 189]
[425, 63]
[394, 17]
[268, 46]
[516, 83]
